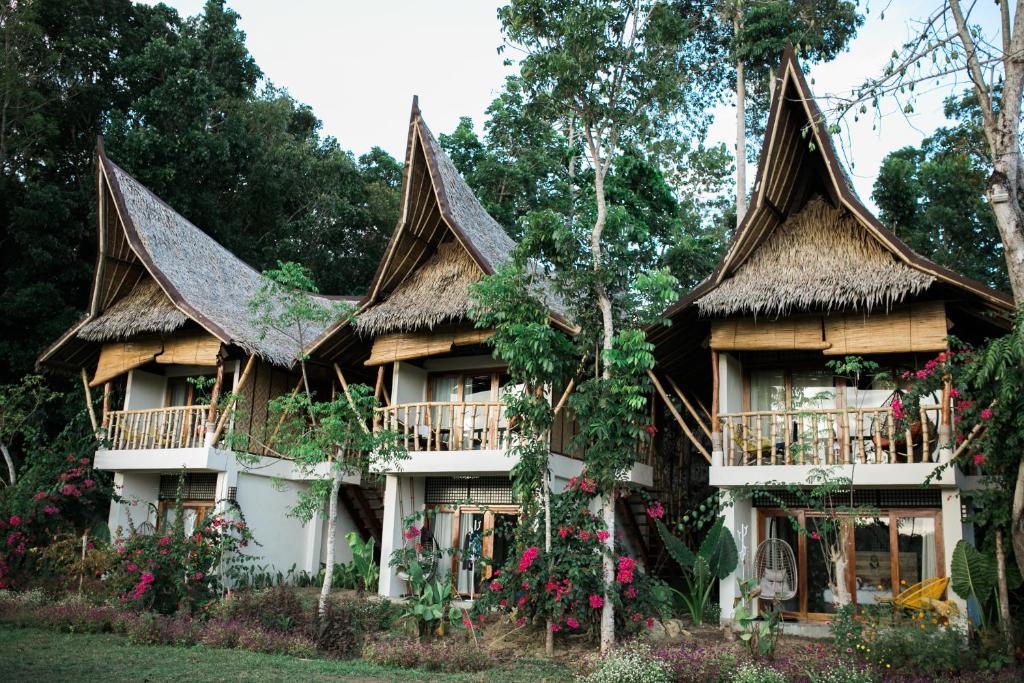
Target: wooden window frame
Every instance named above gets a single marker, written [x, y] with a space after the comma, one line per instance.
[891, 515]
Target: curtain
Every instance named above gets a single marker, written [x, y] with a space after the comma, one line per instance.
[442, 530]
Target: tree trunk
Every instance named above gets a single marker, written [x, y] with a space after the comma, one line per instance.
[608, 566]
[549, 640]
[1004, 595]
[332, 533]
[741, 128]
[1017, 518]
[10, 464]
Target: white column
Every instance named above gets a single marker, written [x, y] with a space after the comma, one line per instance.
[952, 533]
[739, 513]
[391, 537]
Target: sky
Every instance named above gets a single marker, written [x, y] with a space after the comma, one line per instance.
[358, 65]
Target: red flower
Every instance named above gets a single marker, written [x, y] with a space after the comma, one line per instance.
[132, 567]
[596, 601]
[496, 585]
[656, 511]
[953, 393]
[602, 535]
[650, 622]
[979, 458]
[496, 573]
[625, 570]
[631, 592]
[584, 534]
[503, 602]
[39, 496]
[411, 533]
[15, 520]
[564, 531]
[815, 536]
[897, 408]
[555, 628]
[521, 601]
[50, 510]
[651, 429]
[986, 414]
[572, 623]
[529, 555]
[147, 577]
[166, 540]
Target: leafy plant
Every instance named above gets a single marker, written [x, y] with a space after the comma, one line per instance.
[973, 575]
[364, 569]
[430, 605]
[760, 634]
[715, 559]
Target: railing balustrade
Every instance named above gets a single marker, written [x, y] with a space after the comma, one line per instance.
[829, 436]
[177, 427]
[447, 426]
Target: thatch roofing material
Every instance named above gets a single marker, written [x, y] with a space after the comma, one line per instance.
[201, 277]
[820, 258]
[436, 293]
[145, 309]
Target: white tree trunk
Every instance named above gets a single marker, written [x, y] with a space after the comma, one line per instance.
[12, 473]
[549, 640]
[608, 567]
[332, 533]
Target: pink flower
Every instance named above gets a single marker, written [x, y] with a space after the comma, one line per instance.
[651, 429]
[529, 555]
[631, 592]
[503, 602]
[986, 414]
[979, 458]
[50, 510]
[584, 534]
[815, 536]
[596, 601]
[496, 573]
[84, 461]
[602, 536]
[625, 570]
[147, 577]
[132, 567]
[953, 393]
[411, 533]
[521, 601]
[650, 622]
[555, 628]
[166, 540]
[88, 483]
[15, 520]
[39, 496]
[496, 585]
[198, 576]
[520, 621]
[564, 531]
[466, 622]
[921, 374]
[897, 408]
[572, 623]
[69, 490]
[656, 511]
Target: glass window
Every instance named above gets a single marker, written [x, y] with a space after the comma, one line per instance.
[873, 568]
[915, 538]
[819, 594]
[767, 390]
[813, 389]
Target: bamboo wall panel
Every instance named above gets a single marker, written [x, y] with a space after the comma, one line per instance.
[389, 348]
[918, 327]
[117, 358]
[750, 334]
[193, 349]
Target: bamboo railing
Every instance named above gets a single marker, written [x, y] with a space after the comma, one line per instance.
[829, 436]
[447, 426]
[177, 427]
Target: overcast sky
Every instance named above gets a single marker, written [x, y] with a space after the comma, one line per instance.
[359, 63]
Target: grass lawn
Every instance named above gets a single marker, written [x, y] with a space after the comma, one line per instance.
[28, 654]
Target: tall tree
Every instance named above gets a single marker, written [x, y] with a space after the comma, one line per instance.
[758, 32]
[624, 74]
[933, 197]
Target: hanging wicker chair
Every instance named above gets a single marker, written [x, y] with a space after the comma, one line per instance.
[775, 569]
[427, 556]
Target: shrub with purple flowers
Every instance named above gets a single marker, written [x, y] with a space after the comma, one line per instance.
[449, 655]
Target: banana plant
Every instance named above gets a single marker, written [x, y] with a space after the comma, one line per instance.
[367, 571]
[430, 605]
[714, 560]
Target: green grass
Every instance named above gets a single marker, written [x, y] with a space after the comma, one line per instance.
[28, 654]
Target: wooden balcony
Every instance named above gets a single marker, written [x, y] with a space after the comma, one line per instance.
[157, 428]
[447, 426]
[829, 436]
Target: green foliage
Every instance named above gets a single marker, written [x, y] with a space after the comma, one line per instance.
[973, 573]
[754, 673]
[429, 606]
[632, 663]
[716, 559]
[22, 410]
[933, 197]
[760, 633]
[366, 571]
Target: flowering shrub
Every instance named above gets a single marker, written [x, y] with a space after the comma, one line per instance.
[632, 663]
[754, 673]
[567, 587]
[173, 572]
[65, 503]
[434, 655]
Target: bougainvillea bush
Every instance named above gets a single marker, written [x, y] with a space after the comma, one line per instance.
[171, 571]
[566, 587]
[64, 501]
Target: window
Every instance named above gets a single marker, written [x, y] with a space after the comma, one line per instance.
[472, 418]
[874, 570]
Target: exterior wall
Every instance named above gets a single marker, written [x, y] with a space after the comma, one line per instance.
[282, 539]
[342, 551]
[140, 491]
[730, 382]
[145, 390]
[741, 520]
[408, 384]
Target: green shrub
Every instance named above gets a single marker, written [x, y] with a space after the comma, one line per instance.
[277, 609]
[633, 663]
[449, 656]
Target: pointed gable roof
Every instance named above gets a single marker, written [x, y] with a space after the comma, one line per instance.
[149, 252]
[798, 162]
[437, 208]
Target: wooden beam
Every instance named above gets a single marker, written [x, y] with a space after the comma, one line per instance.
[106, 404]
[348, 397]
[565, 396]
[215, 394]
[379, 386]
[715, 427]
[689, 406]
[679, 418]
[88, 401]
[222, 422]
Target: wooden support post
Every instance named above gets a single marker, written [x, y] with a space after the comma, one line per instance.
[107, 388]
[88, 401]
[379, 386]
[688, 405]
[717, 455]
[945, 418]
[222, 422]
[565, 396]
[679, 418]
[215, 393]
[348, 396]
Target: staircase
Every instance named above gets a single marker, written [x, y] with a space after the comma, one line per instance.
[364, 503]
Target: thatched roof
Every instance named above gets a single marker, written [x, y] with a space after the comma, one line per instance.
[142, 243]
[820, 258]
[437, 292]
[437, 208]
[144, 309]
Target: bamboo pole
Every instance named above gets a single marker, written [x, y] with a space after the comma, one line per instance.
[715, 427]
[348, 397]
[679, 418]
[106, 404]
[88, 401]
[565, 395]
[222, 422]
[689, 406]
[215, 393]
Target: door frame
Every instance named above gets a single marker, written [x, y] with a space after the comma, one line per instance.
[487, 540]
